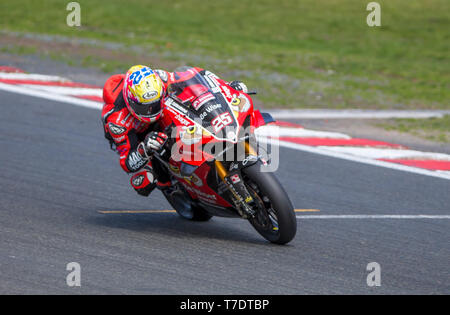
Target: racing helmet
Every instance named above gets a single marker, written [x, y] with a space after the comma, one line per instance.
[143, 91]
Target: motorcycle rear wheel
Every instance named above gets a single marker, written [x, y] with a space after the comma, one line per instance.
[275, 219]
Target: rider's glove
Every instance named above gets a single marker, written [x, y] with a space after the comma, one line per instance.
[154, 142]
[239, 86]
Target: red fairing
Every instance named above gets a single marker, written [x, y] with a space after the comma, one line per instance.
[196, 186]
[258, 119]
[197, 94]
[230, 109]
[189, 90]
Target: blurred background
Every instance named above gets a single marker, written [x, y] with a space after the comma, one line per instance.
[297, 54]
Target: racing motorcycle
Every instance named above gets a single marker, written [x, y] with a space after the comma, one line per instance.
[212, 157]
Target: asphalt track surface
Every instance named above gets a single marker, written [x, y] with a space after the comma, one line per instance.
[57, 173]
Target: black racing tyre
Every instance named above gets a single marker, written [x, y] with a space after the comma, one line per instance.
[275, 219]
[184, 206]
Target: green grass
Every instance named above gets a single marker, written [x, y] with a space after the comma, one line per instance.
[309, 53]
[435, 129]
[19, 50]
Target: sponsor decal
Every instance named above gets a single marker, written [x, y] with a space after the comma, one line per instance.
[174, 169]
[237, 197]
[182, 120]
[202, 99]
[194, 179]
[171, 109]
[211, 78]
[213, 107]
[138, 180]
[209, 109]
[190, 135]
[150, 95]
[115, 129]
[124, 121]
[221, 121]
[227, 92]
[240, 103]
[234, 166]
[191, 130]
[177, 107]
[190, 98]
[235, 101]
[168, 101]
[138, 75]
[119, 139]
[201, 194]
[135, 161]
[235, 178]
[162, 74]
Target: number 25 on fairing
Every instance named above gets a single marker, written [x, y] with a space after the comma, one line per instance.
[221, 121]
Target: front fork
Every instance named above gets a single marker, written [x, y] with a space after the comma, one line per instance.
[233, 180]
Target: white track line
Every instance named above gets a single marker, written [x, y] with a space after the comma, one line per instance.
[62, 90]
[98, 106]
[373, 216]
[53, 97]
[298, 133]
[358, 159]
[374, 153]
[355, 114]
[26, 76]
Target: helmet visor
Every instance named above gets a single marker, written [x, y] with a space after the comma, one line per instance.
[146, 110]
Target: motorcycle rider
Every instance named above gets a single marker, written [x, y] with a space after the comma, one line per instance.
[133, 106]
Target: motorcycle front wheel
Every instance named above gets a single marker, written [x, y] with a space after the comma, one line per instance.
[275, 218]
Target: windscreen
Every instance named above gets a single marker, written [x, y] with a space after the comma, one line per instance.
[200, 94]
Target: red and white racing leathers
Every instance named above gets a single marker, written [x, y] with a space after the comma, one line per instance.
[125, 132]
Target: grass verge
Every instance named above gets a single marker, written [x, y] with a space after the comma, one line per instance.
[434, 129]
[297, 54]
